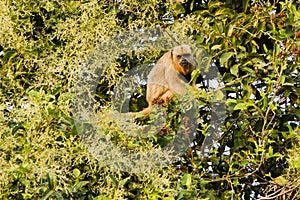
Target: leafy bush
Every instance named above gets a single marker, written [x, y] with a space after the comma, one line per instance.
[254, 44]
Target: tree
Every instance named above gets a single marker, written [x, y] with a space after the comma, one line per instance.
[254, 44]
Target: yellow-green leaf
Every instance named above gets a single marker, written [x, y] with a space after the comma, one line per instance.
[225, 57]
[218, 46]
[186, 180]
[234, 70]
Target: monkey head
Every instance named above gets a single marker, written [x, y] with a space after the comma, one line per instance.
[183, 59]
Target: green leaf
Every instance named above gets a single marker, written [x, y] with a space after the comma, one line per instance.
[219, 95]
[255, 44]
[48, 194]
[225, 57]
[265, 48]
[230, 30]
[192, 5]
[243, 106]
[49, 6]
[215, 47]
[78, 186]
[230, 102]
[52, 180]
[101, 197]
[186, 180]
[270, 151]
[234, 70]
[179, 9]
[76, 173]
[224, 11]
[114, 180]
[9, 54]
[123, 182]
[195, 74]
[245, 5]
[240, 106]
[213, 4]
[242, 48]
[236, 182]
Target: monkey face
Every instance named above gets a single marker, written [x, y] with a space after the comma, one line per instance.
[183, 56]
[183, 61]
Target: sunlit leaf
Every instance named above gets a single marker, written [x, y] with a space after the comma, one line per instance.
[225, 57]
[186, 180]
[234, 69]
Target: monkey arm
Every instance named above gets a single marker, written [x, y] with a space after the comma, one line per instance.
[176, 83]
[156, 84]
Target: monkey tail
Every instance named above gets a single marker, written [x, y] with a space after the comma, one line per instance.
[143, 113]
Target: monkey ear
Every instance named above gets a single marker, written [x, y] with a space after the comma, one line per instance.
[172, 54]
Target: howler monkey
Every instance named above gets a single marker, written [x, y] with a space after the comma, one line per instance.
[167, 77]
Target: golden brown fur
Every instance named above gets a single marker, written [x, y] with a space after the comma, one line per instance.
[167, 76]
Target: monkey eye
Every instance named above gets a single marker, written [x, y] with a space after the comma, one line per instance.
[179, 56]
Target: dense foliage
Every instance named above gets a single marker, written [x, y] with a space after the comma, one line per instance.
[255, 45]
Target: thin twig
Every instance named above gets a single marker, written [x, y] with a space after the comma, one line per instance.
[232, 82]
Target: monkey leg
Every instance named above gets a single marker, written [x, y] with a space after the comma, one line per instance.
[166, 97]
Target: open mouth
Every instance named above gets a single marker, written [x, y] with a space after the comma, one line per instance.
[184, 63]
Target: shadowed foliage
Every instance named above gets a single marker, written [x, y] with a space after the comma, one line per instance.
[254, 44]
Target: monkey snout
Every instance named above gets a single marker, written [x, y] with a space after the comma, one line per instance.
[184, 63]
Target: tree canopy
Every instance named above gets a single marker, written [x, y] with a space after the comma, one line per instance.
[255, 45]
